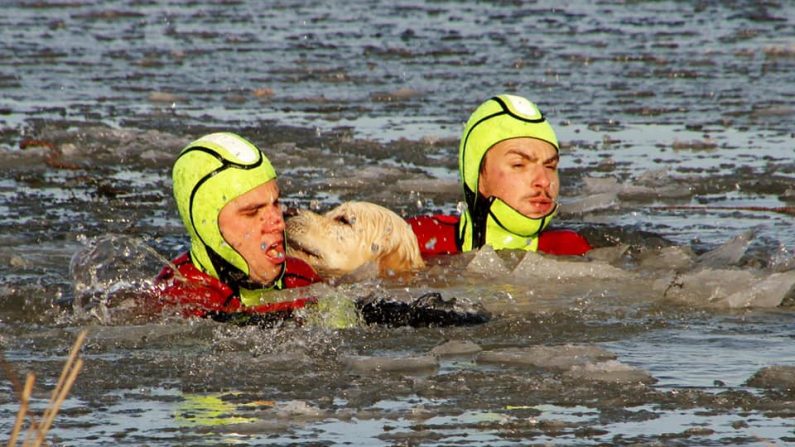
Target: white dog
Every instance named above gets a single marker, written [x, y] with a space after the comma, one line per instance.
[351, 235]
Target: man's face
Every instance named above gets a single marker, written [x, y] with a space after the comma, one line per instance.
[254, 226]
[523, 172]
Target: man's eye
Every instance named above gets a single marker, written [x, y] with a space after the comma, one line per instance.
[344, 220]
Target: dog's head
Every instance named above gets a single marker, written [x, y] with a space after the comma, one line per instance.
[351, 235]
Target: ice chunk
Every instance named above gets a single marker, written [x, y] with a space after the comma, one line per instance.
[136, 336]
[769, 292]
[547, 357]
[667, 192]
[549, 267]
[486, 262]
[608, 254]
[591, 203]
[673, 258]
[728, 288]
[655, 177]
[367, 364]
[649, 185]
[777, 376]
[729, 253]
[705, 286]
[610, 371]
[298, 408]
[428, 186]
[454, 348]
[599, 185]
[782, 260]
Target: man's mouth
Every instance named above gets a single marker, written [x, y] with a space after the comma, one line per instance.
[275, 252]
[541, 202]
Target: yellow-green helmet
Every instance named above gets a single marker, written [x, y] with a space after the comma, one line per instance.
[209, 173]
[489, 219]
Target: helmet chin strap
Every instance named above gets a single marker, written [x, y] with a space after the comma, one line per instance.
[507, 228]
[240, 282]
[496, 223]
[513, 221]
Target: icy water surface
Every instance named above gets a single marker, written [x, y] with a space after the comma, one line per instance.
[678, 162]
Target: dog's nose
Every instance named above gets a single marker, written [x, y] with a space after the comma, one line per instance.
[289, 212]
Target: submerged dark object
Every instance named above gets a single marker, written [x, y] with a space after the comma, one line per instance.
[428, 310]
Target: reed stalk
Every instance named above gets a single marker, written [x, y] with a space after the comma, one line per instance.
[23, 409]
[37, 432]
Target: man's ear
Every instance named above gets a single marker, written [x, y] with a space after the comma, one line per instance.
[481, 170]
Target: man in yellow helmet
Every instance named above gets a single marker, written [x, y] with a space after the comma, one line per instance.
[508, 164]
[228, 198]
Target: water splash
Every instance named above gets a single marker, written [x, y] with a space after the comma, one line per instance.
[113, 272]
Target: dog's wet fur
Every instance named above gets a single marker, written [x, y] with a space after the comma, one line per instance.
[352, 235]
[359, 237]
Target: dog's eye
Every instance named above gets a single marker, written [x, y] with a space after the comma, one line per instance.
[345, 220]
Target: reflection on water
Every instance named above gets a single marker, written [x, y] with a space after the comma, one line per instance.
[228, 418]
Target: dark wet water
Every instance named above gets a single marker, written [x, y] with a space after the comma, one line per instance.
[677, 124]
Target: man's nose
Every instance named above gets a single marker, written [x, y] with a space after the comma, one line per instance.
[273, 220]
[541, 177]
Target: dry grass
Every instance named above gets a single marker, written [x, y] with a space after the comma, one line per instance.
[37, 430]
